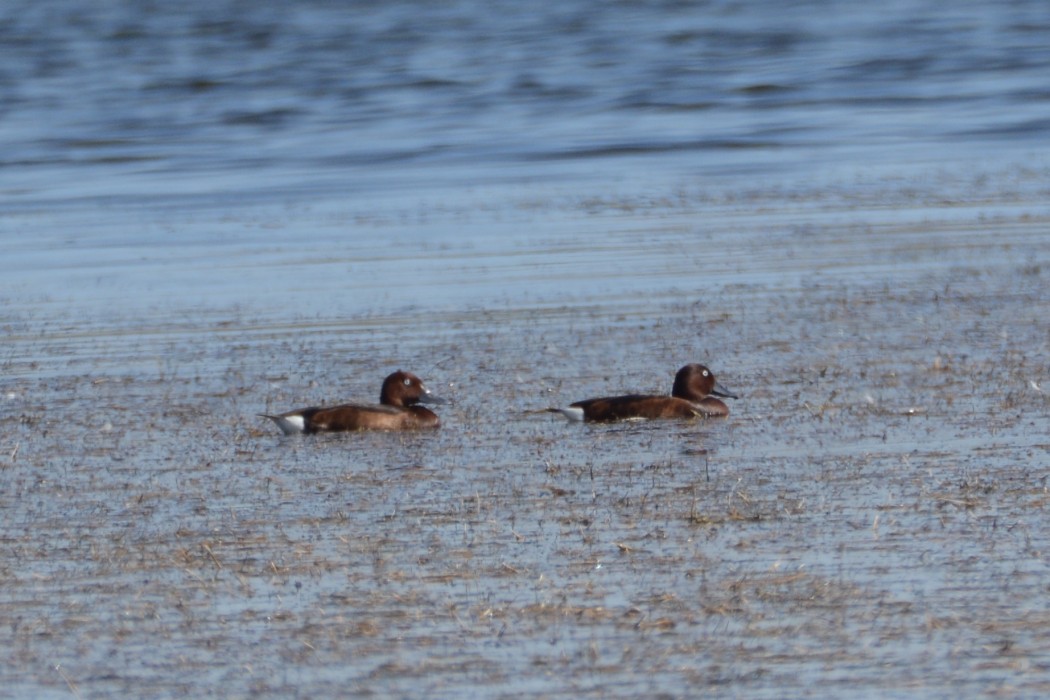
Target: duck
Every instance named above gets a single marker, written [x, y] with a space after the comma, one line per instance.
[692, 396]
[398, 409]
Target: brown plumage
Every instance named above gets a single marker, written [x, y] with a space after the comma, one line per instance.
[398, 409]
[692, 396]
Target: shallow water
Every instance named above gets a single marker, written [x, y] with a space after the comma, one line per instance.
[868, 518]
[845, 218]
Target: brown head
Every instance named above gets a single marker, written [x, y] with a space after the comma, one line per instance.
[403, 389]
[696, 382]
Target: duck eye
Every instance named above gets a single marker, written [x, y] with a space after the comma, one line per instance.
[706, 373]
[408, 382]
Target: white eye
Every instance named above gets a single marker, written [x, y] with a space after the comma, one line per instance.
[706, 373]
[408, 382]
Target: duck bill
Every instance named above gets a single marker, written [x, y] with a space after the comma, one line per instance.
[430, 398]
[720, 390]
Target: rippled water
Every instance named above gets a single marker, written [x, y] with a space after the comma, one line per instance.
[148, 140]
[212, 210]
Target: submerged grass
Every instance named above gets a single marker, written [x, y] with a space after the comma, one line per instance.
[868, 521]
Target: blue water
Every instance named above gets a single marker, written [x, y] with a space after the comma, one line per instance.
[212, 209]
[231, 156]
[228, 104]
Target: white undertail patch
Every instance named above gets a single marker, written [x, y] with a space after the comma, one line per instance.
[572, 412]
[289, 425]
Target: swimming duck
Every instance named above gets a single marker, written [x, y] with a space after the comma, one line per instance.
[693, 395]
[398, 409]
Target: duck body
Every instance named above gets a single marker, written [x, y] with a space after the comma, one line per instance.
[692, 396]
[398, 409]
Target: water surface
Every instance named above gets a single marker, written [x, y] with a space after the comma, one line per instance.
[220, 210]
